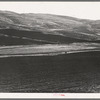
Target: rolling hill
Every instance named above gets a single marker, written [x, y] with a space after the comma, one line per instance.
[30, 28]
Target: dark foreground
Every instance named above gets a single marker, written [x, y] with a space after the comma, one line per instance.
[68, 73]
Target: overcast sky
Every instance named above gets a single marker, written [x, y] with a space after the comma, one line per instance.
[85, 10]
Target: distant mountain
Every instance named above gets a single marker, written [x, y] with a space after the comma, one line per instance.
[16, 29]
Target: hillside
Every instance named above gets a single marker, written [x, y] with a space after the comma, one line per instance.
[16, 29]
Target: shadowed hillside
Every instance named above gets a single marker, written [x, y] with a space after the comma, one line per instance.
[19, 37]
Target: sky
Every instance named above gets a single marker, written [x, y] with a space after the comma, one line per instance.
[84, 10]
